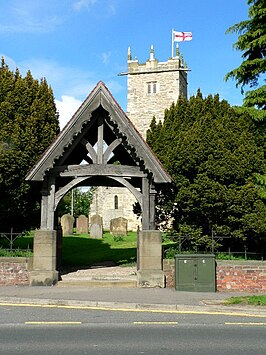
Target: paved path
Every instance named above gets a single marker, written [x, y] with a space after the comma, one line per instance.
[99, 272]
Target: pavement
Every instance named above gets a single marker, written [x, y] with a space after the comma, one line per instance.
[134, 299]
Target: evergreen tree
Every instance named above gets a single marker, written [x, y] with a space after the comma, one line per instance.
[214, 155]
[28, 124]
[252, 41]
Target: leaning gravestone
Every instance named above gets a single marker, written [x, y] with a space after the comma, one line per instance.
[96, 226]
[82, 224]
[67, 222]
[118, 226]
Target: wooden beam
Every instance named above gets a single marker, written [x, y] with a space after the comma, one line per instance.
[100, 169]
[90, 150]
[131, 188]
[61, 192]
[109, 150]
[100, 140]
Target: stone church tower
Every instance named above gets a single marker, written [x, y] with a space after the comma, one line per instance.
[151, 88]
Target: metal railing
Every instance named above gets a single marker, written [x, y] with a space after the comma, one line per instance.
[181, 245]
[11, 237]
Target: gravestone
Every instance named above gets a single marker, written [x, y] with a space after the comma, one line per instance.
[96, 226]
[67, 222]
[118, 226]
[82, 224]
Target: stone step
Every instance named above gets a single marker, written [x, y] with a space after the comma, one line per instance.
[100, 277]
[98, 283]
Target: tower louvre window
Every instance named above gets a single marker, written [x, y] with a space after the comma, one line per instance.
[152, 87]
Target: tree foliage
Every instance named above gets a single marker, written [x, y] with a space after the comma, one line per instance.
[28, 124]
[252, 42]
[214, 155]
[81, 202]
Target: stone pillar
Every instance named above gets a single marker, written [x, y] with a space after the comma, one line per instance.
[150, 273]
[44, 259]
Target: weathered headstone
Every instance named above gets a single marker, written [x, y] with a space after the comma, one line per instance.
[118, 226]
[67, 222]
[82, 224]
[96, 226]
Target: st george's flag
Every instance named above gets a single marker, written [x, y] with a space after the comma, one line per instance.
[182, 36]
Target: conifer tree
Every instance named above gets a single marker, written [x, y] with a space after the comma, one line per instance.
[214, 155]
[252, 42]
[28, 124]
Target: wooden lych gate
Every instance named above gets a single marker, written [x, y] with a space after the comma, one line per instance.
[98, 147]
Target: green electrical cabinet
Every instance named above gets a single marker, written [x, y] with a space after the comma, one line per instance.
[195, 272]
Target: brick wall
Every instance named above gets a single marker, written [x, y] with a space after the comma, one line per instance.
[246, 276]
[169, 272]
[14, 271]
[239, 276]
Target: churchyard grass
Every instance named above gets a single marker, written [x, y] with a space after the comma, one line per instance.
[80, 250]
[259, 300]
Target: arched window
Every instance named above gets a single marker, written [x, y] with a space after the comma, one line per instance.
[116, 202]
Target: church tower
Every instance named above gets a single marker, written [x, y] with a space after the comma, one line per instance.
[152, 87]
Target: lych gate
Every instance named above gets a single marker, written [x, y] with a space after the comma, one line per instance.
[98, 147]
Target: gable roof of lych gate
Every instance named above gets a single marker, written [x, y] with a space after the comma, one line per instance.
[99, 100]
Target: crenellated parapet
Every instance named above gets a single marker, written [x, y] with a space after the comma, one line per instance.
[153, 86]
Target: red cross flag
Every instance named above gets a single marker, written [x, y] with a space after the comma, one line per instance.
[182, 36]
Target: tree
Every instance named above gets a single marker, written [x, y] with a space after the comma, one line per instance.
[252, 41]
[81, 202]
[28, 124]
[214, 155]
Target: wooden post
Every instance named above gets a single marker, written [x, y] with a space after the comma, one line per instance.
[145, 204]
[152, 207]
[100, 140]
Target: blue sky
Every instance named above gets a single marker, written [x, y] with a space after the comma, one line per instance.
[76, 43]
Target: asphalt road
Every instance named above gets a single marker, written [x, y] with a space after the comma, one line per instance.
[37, 330]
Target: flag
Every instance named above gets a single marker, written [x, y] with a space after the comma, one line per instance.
[182, 36]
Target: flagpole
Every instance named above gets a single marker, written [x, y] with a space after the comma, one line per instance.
[172, 43]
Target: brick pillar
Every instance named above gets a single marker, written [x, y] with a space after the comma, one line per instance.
[44, 259]
[149, 271]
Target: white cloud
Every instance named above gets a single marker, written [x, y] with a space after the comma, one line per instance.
[106, 57]
[101, 8]
[70, 84]
[66, 107]
[29, 16]
[64, 80]
[9, 61]
[78, 5]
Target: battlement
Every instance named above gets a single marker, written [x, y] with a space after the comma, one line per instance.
[152, 65]
[153, 86]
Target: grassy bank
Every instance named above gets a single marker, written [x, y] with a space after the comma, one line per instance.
[247, 300]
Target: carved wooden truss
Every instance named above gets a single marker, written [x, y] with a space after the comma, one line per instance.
[99, 147]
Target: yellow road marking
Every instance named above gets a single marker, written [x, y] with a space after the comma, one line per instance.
[98, 308]
[238, 323]
[155, 323]
[53, 323]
